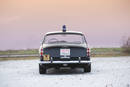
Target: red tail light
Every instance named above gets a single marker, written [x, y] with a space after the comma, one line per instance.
[41, 51]
[88, 52]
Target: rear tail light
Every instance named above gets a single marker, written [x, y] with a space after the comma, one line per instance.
[88, 52]
[41, 52]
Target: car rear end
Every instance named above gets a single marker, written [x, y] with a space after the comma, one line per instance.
[62, 54]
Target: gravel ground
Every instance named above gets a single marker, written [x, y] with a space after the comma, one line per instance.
[106, 72]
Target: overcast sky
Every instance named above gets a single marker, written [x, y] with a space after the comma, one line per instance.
[24, 22]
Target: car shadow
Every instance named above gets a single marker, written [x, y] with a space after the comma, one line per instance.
[64, 71]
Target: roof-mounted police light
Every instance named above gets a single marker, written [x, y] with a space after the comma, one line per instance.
[64, 28]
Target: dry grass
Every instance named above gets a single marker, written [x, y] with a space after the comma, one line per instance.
[18, 58]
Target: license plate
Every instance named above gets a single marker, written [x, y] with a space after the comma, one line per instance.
[46, 57]
[65, 52]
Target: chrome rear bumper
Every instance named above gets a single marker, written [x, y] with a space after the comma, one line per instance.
[64, 62]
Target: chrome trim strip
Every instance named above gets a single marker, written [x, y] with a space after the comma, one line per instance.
[62, 62]
[85, 61]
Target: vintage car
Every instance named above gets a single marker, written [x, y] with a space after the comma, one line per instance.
[64, 49]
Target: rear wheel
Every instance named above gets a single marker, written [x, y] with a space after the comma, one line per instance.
[87, 68]
[42, 69]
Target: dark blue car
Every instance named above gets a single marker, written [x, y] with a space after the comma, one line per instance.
[64, 49]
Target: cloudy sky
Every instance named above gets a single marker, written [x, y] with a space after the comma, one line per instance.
[24, 22]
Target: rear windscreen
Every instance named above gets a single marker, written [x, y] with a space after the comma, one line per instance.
[64, 38]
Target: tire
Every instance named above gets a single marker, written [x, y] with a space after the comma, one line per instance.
[42, 69]
[87, 68]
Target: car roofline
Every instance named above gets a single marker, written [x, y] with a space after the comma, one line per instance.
[67, 32]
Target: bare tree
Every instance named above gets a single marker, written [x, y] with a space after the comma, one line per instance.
[126, 45]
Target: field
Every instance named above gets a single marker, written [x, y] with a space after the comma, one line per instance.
[19, 52]
[95, 52]
[108, 52]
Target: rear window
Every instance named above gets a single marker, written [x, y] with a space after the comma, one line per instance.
[64, 38]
